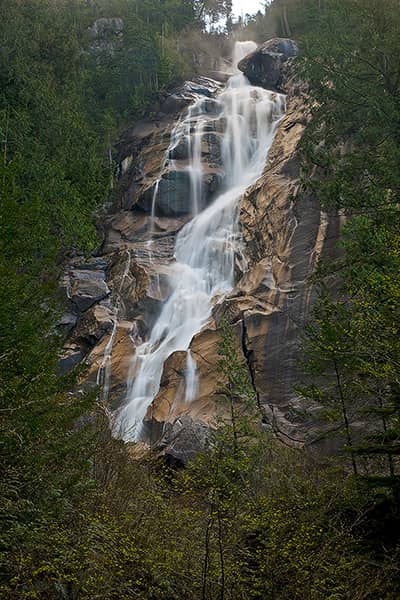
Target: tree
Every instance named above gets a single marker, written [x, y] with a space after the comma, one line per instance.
[351, 62]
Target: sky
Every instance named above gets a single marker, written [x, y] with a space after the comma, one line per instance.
[247, 6]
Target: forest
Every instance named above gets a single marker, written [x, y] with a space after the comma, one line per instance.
[249, 517]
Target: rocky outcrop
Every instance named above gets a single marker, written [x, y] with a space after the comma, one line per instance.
[106, 35]
[182, 440]
[267, 65]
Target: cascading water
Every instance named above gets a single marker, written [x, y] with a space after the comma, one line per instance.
[205, 247]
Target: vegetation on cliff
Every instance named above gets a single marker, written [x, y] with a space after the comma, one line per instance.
[249, 518]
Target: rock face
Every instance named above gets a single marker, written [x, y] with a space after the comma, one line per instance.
[114, 299]
[265, 66]
[284, 235]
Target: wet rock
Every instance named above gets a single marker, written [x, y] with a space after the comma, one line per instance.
[181, 151]
[129, 281]
[96, 263]
[174, 191]
[202, 86]
[264, 66]
[209, 405]
[284, 233]
[220, 76]
[187, 93]
[123, 348]
[210, 149]
[128, 228]
[172, 198]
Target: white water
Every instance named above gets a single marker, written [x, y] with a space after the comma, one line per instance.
[206, 246]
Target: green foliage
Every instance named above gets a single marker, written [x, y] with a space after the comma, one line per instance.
[55, 125]
[351, 63]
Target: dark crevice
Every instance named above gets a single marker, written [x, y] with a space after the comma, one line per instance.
[272, 424]
[247, 353]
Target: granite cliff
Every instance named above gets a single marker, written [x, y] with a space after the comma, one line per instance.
[115, 297]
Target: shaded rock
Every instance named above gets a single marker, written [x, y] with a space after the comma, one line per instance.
[67, 322]
[96, 322]
[72, 356]
[96, 263]
[220, 76]
[87, 288]
[180, 151]
[264, 66]
[174, 103]
[172, 196]
[182, 440]
[210, 149]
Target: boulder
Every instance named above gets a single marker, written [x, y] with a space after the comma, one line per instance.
[264, 66]
[87, 288]
[182, 440]
[67, 323]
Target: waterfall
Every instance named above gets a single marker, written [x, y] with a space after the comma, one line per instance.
[206, 246]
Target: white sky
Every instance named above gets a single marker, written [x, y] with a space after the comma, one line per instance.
[247, 6]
